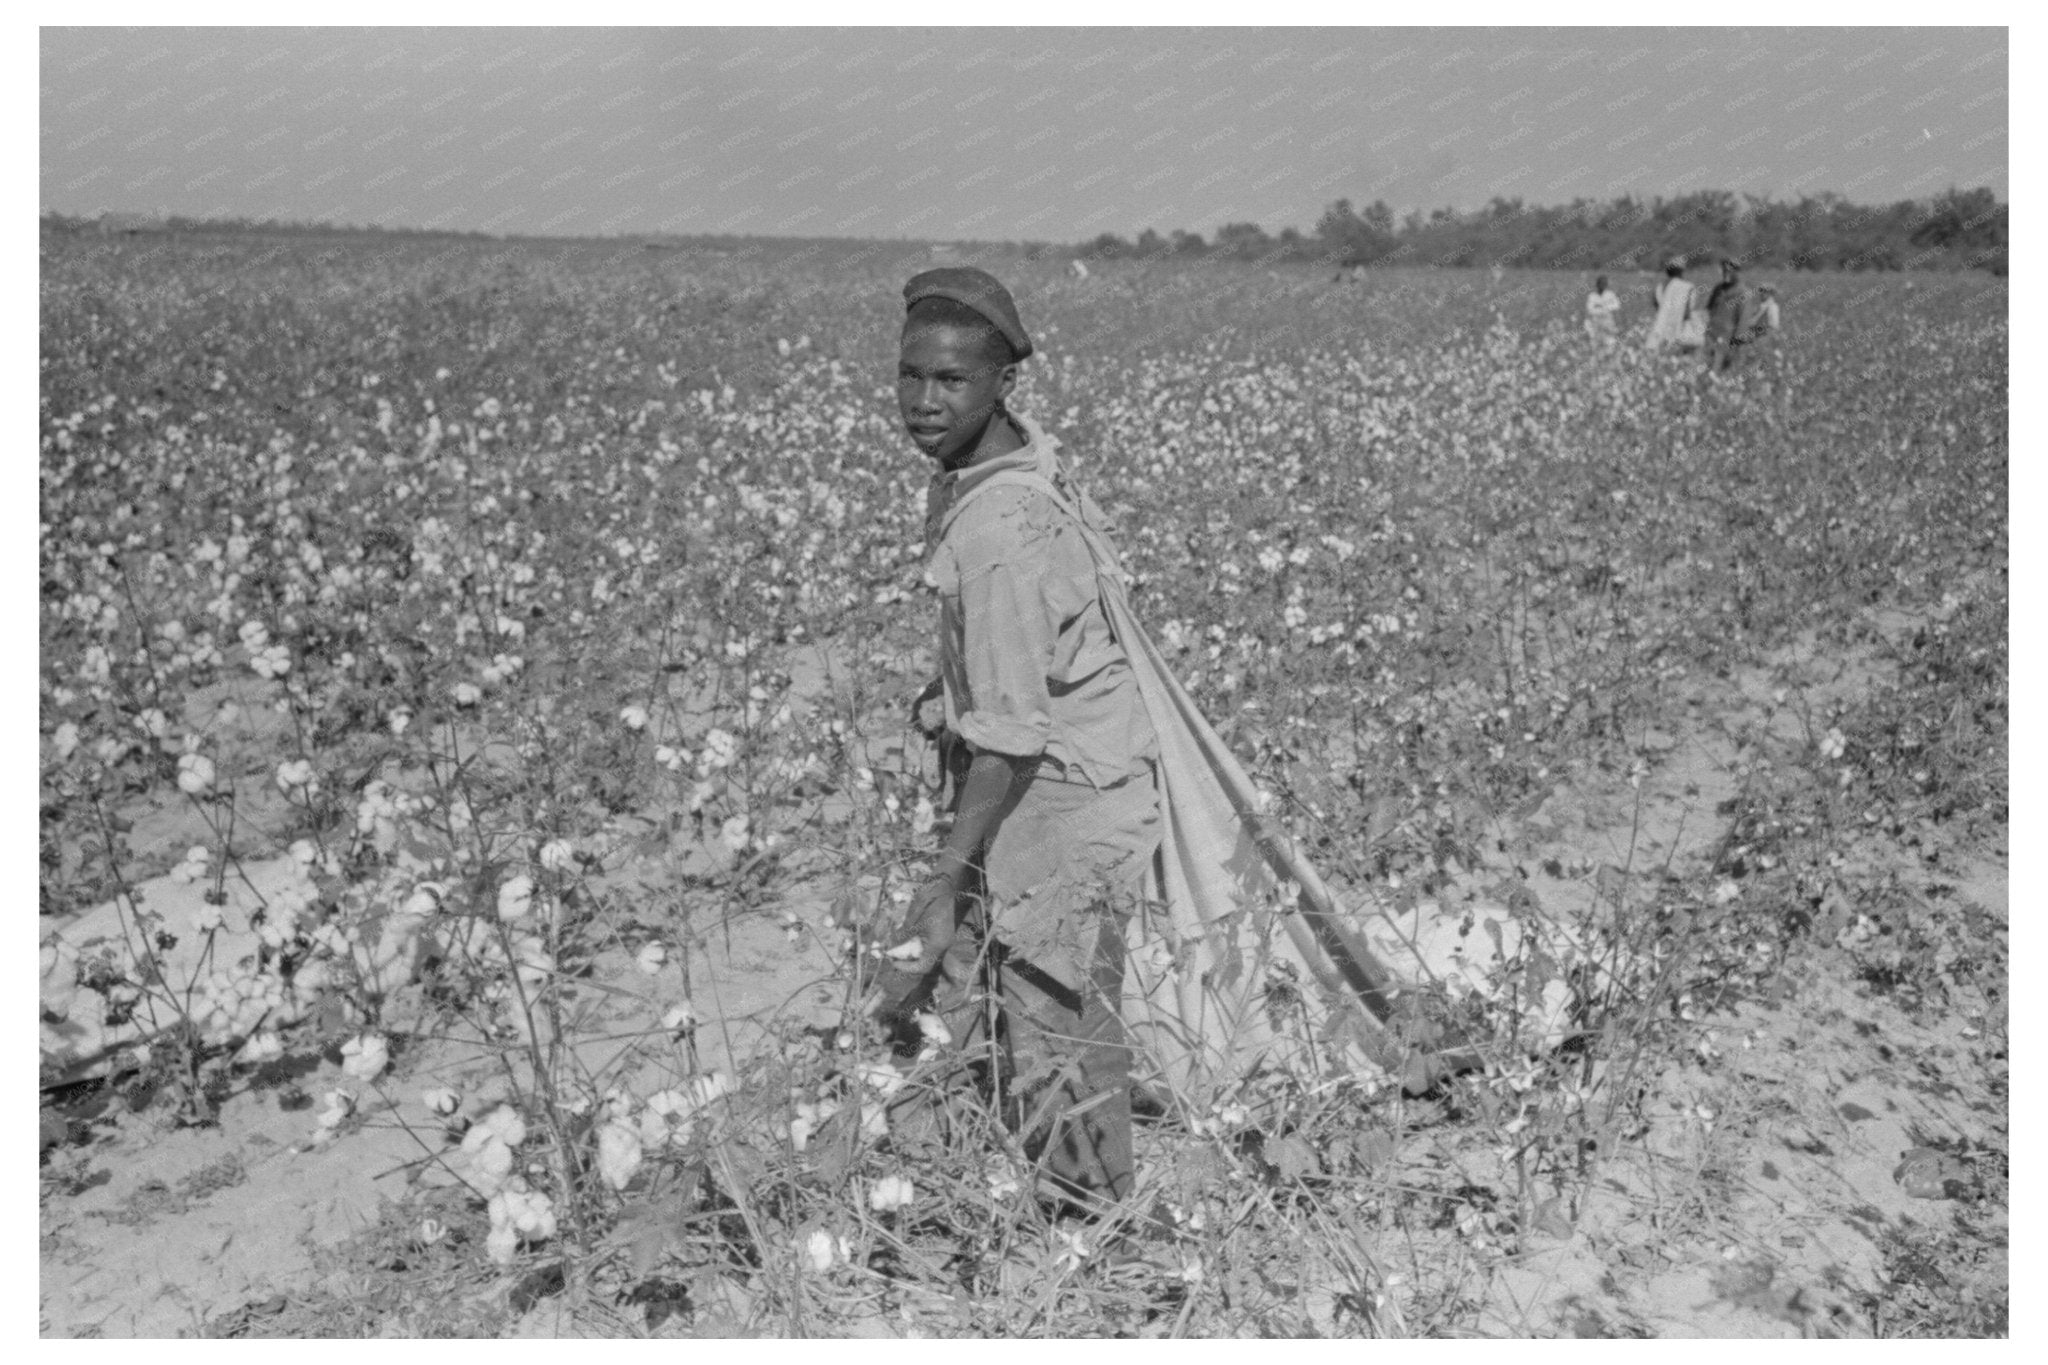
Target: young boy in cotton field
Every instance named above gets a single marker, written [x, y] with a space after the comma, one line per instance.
[1109, 882]
[1057, 816]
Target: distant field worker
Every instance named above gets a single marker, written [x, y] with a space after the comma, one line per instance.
[1731, 312]
[1603, 312]
[1674, 328]
[1767, 320]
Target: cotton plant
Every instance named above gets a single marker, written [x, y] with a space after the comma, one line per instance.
[807, 1117]
[195, 866]
[518, 1213]
[620, 1152]
[490, 1146]
[365, 1056]
[338, 1106]
[670, 1118]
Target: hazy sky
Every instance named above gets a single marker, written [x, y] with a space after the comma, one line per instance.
[1048, 134]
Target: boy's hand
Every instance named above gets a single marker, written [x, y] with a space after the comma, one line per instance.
[927, 930]
[932, 920]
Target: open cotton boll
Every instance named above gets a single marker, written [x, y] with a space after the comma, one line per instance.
[502, 1246]
[340, 1104]
[535, 1217]
[515, 898]
[618, 1153]
[261, 1047]
[364, 1057]
[892, 1192]
[490, 1163]
[502, 1124]
[936, 1036]
[822, 1250]
[194, 867]
[195, 774]
[536, 964]
[720, 749]
[880, 1077]
[874, 1120]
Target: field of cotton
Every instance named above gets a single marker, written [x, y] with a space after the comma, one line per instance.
[474, 737]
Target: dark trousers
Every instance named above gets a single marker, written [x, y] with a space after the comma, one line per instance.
[1069, 1066]
[1035, 977]
[1055, 1059]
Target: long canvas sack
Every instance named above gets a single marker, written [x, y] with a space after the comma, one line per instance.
[1241, 959]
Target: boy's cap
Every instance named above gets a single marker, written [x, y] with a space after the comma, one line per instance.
[977, 289]
[1674, 262]
[1731, 262]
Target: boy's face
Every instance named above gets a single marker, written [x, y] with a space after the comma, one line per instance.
[948, 384]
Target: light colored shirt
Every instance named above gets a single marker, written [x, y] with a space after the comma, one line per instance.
[1674, 304]
[1600, 311]
[1026, 656]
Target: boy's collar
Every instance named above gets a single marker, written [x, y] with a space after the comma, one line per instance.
[1037, 455]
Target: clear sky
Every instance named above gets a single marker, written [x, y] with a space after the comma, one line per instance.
[1044, 134]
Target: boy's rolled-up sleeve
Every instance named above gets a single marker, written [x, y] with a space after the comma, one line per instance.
[1009, 643]
[1009, 630]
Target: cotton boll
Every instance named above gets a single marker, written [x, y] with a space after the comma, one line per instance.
[261, 1047]
[734, 833]
[892, 1192]
[195, 774]
[364, 1057]
[502, 1246]
[618, 1153]
[515, 899]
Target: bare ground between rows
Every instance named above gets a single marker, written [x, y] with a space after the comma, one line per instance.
[1760, 1200]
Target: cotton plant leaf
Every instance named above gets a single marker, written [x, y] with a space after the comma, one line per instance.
[649, 1228]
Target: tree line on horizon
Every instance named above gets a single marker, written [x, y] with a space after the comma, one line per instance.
[1956, 230]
